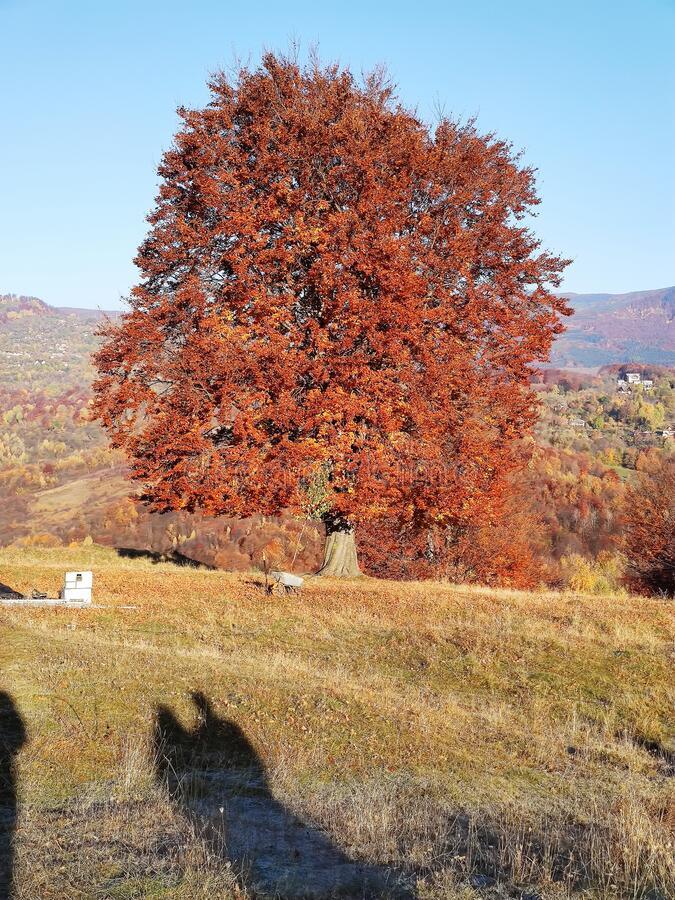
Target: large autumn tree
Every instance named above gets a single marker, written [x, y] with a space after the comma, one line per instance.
[338, 310]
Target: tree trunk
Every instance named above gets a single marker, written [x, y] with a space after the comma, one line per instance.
[339, 559]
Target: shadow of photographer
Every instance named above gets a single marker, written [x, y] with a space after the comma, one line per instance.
[12, 738]
[215, 776]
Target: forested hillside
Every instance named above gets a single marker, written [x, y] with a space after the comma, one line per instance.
[619, 328]
[59, 481]
[593, 440]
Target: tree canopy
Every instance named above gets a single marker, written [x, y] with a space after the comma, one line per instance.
[649, 519]
[332, 293]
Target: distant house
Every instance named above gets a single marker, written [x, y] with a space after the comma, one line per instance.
[623, 384]
[577, 423]
[667, 432]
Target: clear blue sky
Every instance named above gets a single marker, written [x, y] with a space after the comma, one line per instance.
[89, 90]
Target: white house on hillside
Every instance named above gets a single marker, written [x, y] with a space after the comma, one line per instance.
[622, 384]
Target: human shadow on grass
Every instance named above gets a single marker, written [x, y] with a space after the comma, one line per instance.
[12, 738]
[216, 777]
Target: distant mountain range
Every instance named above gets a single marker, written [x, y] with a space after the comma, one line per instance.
[606, 328]
[618, 328]
[18, 306]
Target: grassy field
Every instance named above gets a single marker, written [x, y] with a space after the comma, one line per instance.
[416, 739]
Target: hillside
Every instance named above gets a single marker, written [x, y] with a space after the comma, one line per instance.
[59, 481]
[18, 306]
[430, 740]
[618, 328]
[14, 307]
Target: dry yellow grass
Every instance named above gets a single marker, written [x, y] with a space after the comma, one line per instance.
[472, 741]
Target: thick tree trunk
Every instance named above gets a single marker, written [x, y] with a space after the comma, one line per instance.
[339, 559]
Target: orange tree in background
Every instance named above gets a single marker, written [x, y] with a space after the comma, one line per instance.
[649, 514]
[332, 294]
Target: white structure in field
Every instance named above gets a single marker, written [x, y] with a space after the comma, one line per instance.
[76, 592]
[633, 377]
[77, 587]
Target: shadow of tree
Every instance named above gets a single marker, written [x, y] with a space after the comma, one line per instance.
[215, 776]
[12, 738]
[173, 556]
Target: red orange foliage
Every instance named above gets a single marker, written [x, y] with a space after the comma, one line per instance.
[329, 286]
[500, 546]
[649, 515]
